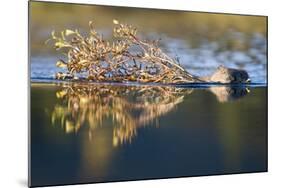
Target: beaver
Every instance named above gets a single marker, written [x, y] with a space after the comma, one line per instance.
[227, 75]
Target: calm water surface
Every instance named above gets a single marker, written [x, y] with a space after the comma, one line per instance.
[102, 132]
[111, 132]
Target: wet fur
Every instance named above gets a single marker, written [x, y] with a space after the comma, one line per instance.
[226, 75]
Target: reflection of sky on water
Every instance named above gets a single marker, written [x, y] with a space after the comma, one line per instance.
[208, 55]
[200, 60]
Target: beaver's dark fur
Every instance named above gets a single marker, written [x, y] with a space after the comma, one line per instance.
[227, 75]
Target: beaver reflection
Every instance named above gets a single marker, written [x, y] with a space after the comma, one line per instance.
[227, 94]
[128, 107]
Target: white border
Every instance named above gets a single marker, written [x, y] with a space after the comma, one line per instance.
[13, 106]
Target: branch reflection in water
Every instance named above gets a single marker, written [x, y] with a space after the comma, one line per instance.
[129, 108]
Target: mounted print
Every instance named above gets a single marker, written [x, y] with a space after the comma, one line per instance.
[122, 93]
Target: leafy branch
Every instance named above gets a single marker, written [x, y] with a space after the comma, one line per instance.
[127, 58]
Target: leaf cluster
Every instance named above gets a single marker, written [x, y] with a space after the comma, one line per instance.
[126, 58]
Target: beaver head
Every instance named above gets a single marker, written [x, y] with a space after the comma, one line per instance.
[229, 75]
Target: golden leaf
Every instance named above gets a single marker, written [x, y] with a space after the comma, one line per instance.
[69, 126]
[115, 21]
[61, 94]
[61, 64]
[53, 34]
[69, 32]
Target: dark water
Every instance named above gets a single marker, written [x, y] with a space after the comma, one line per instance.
[97, 133]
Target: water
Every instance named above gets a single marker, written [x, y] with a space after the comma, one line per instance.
[94, 132]
[102, 132]
[200, 60]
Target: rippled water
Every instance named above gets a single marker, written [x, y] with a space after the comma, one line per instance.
[200, 60]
